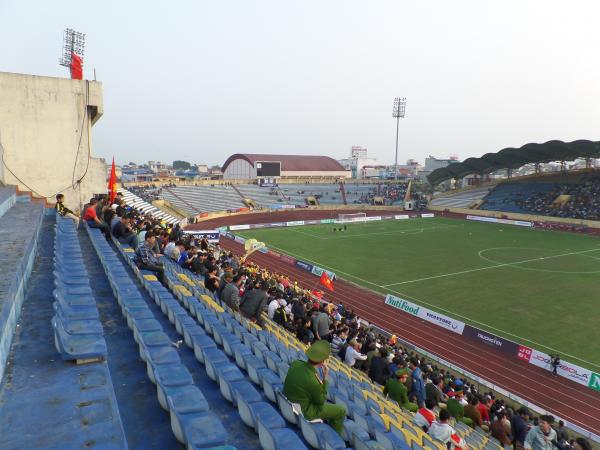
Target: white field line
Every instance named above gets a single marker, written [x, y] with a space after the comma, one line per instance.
[358, 236]
[489, 267]
[437, 307]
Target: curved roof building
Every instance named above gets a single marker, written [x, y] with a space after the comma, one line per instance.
[242, 166]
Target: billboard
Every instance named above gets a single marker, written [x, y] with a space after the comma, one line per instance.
[456, 326]
[268, 168]
[211, 235]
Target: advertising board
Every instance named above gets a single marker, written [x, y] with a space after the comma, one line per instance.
[456, 326]
[504, 345]
[211, 235]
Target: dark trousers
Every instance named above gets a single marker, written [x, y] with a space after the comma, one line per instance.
[159, 271]
[102, 226]
[131, 240]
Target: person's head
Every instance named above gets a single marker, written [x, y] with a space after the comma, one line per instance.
[561, 423]
[125, 219]
[474, 400]
[524, 412]
[318, 353]
[444, 416]
[402, 375]
[413, 362]
[60, 198]
[545, 423]
[93, 201]
[238, 279]
[228, 277]
[581, 444]
[430, 403]
[150, 238]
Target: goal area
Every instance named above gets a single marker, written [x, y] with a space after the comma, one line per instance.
[349, 218]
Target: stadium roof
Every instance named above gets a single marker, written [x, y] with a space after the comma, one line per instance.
[513, 158]
[290, 163]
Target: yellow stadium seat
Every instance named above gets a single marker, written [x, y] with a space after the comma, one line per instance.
[150, 278]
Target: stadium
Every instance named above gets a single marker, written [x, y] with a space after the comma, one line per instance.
[177, 312]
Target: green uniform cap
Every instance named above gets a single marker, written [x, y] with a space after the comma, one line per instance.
[319, 351]
[401, 372]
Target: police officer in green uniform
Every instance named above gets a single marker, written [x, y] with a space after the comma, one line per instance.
[396, 390]
[304, 385]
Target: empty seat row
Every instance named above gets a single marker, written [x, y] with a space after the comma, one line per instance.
[142, 205]
[78, 333]
[192, 422]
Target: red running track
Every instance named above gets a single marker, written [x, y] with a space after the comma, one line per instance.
[568, 400]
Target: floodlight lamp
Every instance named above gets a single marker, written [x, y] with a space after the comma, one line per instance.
[399, 107]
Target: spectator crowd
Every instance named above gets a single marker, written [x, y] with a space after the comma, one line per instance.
[583, 202]
[438, 398]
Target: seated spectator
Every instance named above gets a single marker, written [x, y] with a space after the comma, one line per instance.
[472, 412]
[306, 384]
[396, 390]
[64, 211]
[304, 330]
[146, 259]
[123, 232]
[91, 218]
[456, 408]
[442, 431]
[542, 436]
[353, 354]
[425, 416]
[434, 391]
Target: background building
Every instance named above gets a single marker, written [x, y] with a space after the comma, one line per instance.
[243, 166]
[358, 159]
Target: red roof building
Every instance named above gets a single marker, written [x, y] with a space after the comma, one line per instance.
[243, 166]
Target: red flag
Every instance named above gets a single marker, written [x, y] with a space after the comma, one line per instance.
[112, 182]
[76, 67]
[326, 281]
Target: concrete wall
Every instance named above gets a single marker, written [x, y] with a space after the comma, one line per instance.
[45, 132]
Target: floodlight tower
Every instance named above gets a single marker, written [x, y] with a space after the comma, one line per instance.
[397, 113]
[73, 42]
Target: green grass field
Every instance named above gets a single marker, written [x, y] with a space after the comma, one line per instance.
[536, 287]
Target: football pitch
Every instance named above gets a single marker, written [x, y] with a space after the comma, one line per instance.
[536, 287]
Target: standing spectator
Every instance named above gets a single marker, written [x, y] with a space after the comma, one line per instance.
[254, 302]
[542, 436]
[498, 429]
[64, 211]
[561, 432]
[417, 384]
[379, 370]
[211, 280]
[321, 325]
[519, 427]
[231, 292]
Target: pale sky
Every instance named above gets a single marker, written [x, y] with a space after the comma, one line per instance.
[200, 80]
